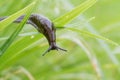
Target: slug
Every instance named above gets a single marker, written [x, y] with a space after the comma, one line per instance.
[44, 26]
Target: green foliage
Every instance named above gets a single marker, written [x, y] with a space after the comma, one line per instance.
[93, 35]
[9, 20]
[61, 21]
[85, 60]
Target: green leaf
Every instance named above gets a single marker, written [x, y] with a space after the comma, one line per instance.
[93, 35]
[66, 18]
[7, 21]
[4, 23]
[13, 54]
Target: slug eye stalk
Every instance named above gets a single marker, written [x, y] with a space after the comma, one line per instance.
[52, 48]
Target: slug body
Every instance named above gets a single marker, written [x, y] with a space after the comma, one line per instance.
[44, 26]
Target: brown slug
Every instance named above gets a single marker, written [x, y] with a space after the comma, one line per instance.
[44, 26]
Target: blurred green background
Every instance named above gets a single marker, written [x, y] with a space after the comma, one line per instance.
[87, 58]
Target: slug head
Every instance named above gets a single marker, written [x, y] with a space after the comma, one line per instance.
[53, 48]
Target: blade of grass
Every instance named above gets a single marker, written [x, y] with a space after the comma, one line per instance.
[93, 59]
[27, 10]
[4, 23]
[66, 18]
[22, 34]
[93, 35]
[106, 47]
[13, 54]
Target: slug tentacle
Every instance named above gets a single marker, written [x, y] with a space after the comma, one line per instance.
[53, 48]
[44, 26]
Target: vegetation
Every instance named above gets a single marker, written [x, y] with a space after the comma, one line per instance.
[91, 38]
